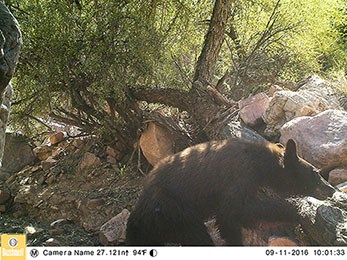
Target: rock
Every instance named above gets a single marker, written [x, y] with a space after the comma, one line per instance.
[93, 203]
[253, 108]
[156, 143]
[43, 152]
[324, 221]
[111, 160]
[77, 142]
[23, 194]
[342, 187]
[321, 140]
[57, 152]
[113, 232]
[234, 129]
[52, 242]
[281, 241]
[273, 89]
[2, 208]
[63, 144]
[4, 175]
[56, 138]
[89, 160]
[4, 196]
[10, 42]
[314, 97]
[111, 152]
[32, 232]
[48, 163]
[56, 231]
[337, 176]
[17, 154]
[10, 45]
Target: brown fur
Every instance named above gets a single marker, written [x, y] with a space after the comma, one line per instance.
[238, 182]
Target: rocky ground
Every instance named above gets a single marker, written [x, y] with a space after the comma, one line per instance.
[67, 194]
[78, 191]
[41, 233]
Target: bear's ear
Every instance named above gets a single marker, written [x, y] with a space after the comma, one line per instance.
[290, 154]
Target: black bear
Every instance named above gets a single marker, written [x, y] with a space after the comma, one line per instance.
[235, 181]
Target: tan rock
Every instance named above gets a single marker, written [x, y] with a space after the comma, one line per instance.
[342, 187]
[43, 152]
[156, 143]
[273, 89]
[48, 163]
[89, 160]
[337, 176]
[111, 152]
[253, 108]
[56, 138]
[93, 203]
[63, 144]
[113, 231]
[77, 142]
[56, 231]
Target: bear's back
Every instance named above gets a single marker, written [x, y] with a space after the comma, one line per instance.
[205, 172]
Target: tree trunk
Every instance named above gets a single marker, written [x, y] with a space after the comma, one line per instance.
[213, 113]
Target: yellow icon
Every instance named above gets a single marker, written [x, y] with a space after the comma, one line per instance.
[13, 247]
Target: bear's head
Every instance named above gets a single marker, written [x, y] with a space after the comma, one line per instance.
[302, 178]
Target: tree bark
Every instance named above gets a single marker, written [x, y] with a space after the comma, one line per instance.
[209, 109]
[213, 42]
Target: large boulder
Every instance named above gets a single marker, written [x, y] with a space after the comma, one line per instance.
[321, 139]
[17, 154]
[315, 96]
[156, 143]
[10, 44]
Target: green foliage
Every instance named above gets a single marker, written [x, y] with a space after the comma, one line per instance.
[279, 40]
[75, 57]
[80, 57]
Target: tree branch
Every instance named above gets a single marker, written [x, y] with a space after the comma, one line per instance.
[167, 96]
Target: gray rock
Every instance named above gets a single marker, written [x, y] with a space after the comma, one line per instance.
[10, 44]
[17, 153]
